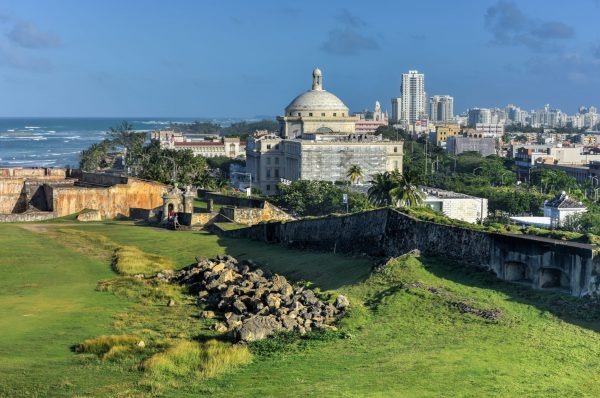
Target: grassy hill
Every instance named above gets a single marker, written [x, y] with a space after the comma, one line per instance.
[419, 326]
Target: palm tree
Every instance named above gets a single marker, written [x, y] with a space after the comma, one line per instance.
[381, 185]
[406, 194]
[354, 173]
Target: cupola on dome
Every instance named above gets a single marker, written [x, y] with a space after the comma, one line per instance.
[317, 99]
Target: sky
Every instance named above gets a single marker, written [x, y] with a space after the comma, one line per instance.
[227, 58]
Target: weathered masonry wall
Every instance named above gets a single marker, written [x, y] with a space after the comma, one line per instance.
[111, 202]
[538, 262]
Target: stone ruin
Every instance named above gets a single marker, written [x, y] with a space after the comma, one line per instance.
[255, 304]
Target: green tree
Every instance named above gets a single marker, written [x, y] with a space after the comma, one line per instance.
[381, 185]
[95, 157]
[123, 135]
[405, 193]
[316, 198]
[354, 173]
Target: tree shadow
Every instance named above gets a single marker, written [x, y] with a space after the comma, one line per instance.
[578, 311]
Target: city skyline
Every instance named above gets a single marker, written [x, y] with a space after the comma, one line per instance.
[154, 59]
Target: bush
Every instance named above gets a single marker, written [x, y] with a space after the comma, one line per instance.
[204, 360]
[102, 345]
[129, 260]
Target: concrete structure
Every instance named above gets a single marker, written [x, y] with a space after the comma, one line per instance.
[321, 147]
[441, 108]
[560, 208]
[456, 205]
[443, 132]
[494, 130]
[540, 263]
[369, 122]
[459, 144]
[412, 103]
[479, 115]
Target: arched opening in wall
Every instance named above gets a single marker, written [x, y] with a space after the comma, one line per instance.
[516, 271]
[552, 278]
[170, 207]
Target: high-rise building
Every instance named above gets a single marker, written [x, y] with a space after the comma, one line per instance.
[396, 109]
[441, 108]
[479, 115]
[413, 99]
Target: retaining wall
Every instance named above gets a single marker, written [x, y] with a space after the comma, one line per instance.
[539, 262]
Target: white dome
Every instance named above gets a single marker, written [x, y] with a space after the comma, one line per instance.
[316, 100]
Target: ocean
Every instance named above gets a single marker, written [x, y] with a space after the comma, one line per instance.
[57, 142]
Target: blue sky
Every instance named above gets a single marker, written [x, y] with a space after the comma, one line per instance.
[247, 58]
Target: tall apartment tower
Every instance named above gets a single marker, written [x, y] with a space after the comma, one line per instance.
[441, 108]
[413, 103]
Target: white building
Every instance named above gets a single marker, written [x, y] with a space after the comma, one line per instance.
[456, 205]
[560, 208]
[412, 103]
[317, 141]
[441, 108]
[493, 130]
[231, 147]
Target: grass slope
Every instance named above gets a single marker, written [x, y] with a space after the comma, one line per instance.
[415, 330]
[47, 304]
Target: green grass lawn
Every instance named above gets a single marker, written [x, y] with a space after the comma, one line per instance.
[201, 205]
[47, 304]
[406, 335]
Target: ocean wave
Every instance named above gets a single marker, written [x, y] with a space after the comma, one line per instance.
[32, 127]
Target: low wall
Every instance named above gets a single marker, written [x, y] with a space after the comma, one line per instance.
[227, 200]
[538, 262]
[27, 217]
[101, 179]
[202, 219]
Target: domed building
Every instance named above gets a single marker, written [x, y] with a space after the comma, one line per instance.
[316, 111]
[317, 140]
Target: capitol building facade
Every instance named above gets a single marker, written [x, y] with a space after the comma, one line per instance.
[317, 140]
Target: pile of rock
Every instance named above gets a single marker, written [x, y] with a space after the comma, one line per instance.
[256, 303]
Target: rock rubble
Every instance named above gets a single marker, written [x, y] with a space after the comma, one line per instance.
[254, 303]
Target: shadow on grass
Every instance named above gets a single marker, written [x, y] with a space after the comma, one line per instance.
[578, 311]
[326, 270]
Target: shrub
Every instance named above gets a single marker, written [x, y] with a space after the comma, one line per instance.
[203, 360]
[102, 345]
[148, 291]
[129, 260]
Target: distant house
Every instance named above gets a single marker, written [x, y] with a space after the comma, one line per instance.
[456, 205]
[561, 207]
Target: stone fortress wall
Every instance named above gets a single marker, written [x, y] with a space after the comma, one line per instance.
[240, 210]
[541, 263]
[44, 193]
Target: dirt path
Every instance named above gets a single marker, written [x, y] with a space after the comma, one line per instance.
[43, 228]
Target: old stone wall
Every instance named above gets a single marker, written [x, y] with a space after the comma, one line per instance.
[201, 219]
[21, 187]
[404, 233]
[12, 196]
[32, 172]
[251, 216]
[27, 217]
[111, 202]
[538, 262]
[228, 200]
[101, 179]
